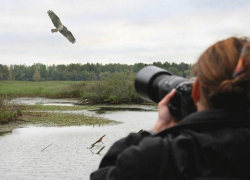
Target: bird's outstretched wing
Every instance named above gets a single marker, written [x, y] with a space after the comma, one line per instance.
[54, 18]
[68, 35]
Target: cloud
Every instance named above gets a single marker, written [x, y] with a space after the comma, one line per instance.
[112, 31]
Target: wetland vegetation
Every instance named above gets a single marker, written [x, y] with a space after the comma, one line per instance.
[13, 116]
[63, 119]
[118, 89]
[114, 90]
[90, 84]
[8, 113]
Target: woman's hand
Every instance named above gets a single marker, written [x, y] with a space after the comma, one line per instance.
[165, 119]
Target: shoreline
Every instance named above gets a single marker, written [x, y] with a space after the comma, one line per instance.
[9, 127]
[30, 116]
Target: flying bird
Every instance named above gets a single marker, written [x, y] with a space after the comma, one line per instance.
[60, 27]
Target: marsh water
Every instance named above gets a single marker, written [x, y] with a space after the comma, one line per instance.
[56, 153]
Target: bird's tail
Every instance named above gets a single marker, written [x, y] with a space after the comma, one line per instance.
[53, 30]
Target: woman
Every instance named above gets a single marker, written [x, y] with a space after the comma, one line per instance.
[213, 143]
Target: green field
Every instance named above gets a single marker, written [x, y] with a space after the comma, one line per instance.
[119, 89]
[51, 89]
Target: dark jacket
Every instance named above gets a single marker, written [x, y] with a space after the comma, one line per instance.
[213, 144]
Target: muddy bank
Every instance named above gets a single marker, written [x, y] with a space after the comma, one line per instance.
[9, 127]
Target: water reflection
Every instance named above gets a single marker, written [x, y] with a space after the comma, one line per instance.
[63, 152]
[43, 101]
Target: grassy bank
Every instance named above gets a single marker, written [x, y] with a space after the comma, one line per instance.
[62, 119]
[8, 113]
[51, 89]
[40, 115]
[60, 116]
[13, 116]
[114, 90]
[39, 107]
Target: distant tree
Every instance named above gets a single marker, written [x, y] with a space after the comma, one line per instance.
[4, 71]
[82, 72]
[37, 75]
[105, 75]
[174, 70]
[20, 72]
[167, 65]
[187, 74]
[138, 67]
[159, 64]
[10, 75]
[42, 69]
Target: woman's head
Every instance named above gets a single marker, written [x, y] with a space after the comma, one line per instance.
[214, 70]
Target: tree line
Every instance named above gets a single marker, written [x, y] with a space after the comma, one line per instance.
[81, 72]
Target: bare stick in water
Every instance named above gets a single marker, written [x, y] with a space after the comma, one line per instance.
[46, 147]
[91, 151]
[100, 150]
[99, 140]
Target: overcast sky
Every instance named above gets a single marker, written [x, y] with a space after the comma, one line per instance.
[117, 31]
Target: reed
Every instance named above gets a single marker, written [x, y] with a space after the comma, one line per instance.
[7, 113]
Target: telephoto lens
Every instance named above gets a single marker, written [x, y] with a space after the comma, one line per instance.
[153, 84]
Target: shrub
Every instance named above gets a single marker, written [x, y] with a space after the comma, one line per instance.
[7, 114]
[117, 89]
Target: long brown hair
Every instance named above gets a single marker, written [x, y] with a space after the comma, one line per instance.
[215, 70]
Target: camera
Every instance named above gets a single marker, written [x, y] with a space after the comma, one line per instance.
[153, 83]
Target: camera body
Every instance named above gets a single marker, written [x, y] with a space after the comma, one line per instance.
[153, 83]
